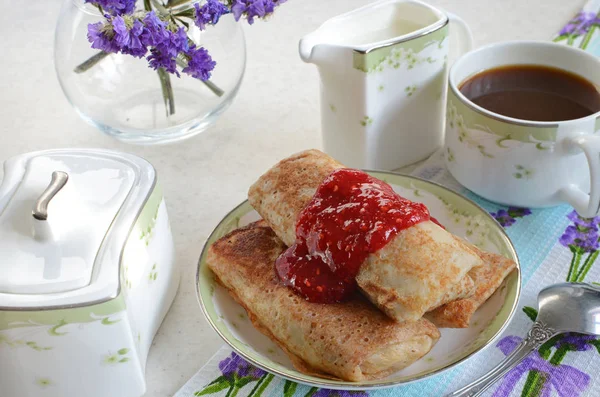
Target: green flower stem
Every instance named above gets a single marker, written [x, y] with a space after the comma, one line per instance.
[587, 265]
[260, 381]
[571, 39]
[157, 4]
[289, 389]
[209, 84]
[233, 391]
[187, 13]
[534, 384]
[535, 379]
[559, 355]
[167, 90]
[147, 5]
[559, 38]
[263, 385]
[91, 62]
[213, 87]
[311, 392]
[175, 3]
[575, 261]
[588, 35]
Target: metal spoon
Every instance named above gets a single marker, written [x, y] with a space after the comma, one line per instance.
[567, 307]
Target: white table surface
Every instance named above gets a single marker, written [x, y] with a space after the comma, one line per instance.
[275, 114]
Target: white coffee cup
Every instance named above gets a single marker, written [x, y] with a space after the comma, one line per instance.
[519, 162]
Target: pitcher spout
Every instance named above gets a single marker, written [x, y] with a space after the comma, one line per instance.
[306, 46]
[313, 49]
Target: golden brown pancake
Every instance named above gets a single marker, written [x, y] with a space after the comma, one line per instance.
[421, 268]
[487, 279]
[352, 341]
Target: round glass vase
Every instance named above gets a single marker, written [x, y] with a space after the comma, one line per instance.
[123, 97]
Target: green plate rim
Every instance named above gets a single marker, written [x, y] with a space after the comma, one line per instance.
[298, 377]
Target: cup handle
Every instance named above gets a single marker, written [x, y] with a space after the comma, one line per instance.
[464, 33]
[586, 205]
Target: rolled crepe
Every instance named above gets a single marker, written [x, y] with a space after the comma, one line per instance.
[352, 341]
[420, 269]
[487, 279]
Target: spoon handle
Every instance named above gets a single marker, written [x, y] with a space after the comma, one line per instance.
[537, 335]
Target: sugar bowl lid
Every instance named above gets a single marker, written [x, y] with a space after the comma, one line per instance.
[64, 219]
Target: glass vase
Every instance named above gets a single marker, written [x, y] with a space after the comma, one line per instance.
[124, 98]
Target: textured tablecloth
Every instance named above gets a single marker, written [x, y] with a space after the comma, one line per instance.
[554, 245]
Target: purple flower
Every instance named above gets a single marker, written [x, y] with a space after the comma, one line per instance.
[503, 217]
[159, 58]
[200, 63]
[128, 34]
[155, 32]
[580, 24]
[583, 239]
[582, 235]
[254, 8]
[180, 41]
[583, 222]
[165, 52]
[518, 212]
[115, 7]
[576, 342]
[339, 393]
[102, 37]
[209, 13]
[568, 381]
[235, 367]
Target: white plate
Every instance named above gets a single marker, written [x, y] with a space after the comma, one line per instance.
[457, 213]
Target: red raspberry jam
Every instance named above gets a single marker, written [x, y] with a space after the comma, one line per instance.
[350, 216]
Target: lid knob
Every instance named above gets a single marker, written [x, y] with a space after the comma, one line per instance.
[40, 209]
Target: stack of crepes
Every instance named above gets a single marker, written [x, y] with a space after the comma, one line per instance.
[424, 277]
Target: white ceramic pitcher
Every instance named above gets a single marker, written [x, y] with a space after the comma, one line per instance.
[383, 71]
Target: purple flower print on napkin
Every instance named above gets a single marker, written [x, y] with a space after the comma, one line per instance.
[236, 373]
[577, 342]
[583, 24]
[503, 218]
[583, 222]
[235, 366]
[582, 237]
[568, 381]
[509, 216]
[580, 24]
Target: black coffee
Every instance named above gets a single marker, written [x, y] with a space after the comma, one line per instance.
[530, 92]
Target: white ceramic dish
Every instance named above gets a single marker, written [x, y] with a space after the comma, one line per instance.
[460, 216]
[87, 280]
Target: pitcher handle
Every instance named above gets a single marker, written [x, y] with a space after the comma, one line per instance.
[465, 36]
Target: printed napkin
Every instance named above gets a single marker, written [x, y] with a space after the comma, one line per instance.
[554, 245]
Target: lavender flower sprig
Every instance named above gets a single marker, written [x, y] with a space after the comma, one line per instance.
[582, 237]
[140, 34]
[160, 35]
[583, 24]
[115, 7]
[509, 216]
